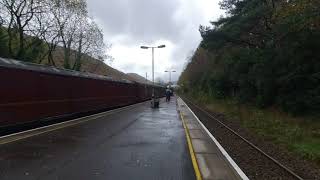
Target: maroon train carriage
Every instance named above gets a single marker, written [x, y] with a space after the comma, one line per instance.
[33, 93]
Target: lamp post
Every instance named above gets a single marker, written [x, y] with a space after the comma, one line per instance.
[170, 71]
[145, 85]
[155, 102]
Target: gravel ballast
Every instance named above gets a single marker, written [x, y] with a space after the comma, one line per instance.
[253, 163]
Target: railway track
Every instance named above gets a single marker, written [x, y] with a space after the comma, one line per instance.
[256, 163]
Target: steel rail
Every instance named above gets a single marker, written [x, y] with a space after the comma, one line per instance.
[247, 141]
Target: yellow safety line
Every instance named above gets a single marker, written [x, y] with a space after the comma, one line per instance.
[191, 150]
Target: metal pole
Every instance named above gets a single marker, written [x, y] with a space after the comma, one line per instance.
[153, 72]
[155, 102]
[145, 85]
[169, 78]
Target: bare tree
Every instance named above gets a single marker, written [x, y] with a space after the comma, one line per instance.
[1, 19]
[20, 13]
[44, 28]
[49, 24]
[89, 41]
[61, 16]
[66, 14]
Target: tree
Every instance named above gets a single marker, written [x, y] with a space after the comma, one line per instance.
[88, 40]
[44, 28]
[262, 52]
[1, 20]
[66, 14]
[20, 13]
[35, 28]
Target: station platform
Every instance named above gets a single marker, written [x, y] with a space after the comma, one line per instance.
[134, 142]
[210, 160]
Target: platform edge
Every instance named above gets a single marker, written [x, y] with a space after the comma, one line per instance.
[223, 151]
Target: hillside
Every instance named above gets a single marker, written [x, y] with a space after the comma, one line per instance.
[259, 66]
[89, 64]
[137, 78]
[36, 52]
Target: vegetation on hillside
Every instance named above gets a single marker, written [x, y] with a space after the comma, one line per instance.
[32, 30]
[260, 65]
[262, 52]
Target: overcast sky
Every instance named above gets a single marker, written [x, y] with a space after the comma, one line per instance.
[128, 24]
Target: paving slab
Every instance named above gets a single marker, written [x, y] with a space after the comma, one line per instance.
[193, 126]
[219, 169]
[198, 134]
[204, 146]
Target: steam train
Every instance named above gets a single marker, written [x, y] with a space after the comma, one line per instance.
[32, 93]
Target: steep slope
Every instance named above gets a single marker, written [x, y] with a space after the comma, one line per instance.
[137, 78]
[91, 65]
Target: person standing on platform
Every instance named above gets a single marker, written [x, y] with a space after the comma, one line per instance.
[168, 94]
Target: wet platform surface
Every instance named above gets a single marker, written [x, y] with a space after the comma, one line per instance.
[213, 161]
[138, 143]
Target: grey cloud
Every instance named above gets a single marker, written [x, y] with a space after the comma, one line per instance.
[131, 23]
[138, 20]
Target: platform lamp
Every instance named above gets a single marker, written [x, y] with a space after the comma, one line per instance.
[170, 71]
[154, 100]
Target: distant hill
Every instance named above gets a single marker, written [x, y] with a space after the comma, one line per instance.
[89, 64]
[137, 78]
[95, 66]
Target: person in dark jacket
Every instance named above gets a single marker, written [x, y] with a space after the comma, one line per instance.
[168, 95]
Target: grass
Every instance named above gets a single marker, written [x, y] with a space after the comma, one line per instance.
[300, 135]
